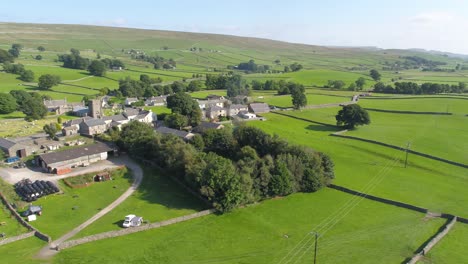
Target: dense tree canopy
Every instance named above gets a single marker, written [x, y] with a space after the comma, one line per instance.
[414, 88]
[47, 81]
[27, 76]
[231, 168]
[351, 116]
[236, 86]
[97, 68]
[360, 82]
[15, 50]
[34, 108]
[7, 103]
[299, 98]
[184, 104]
[5, 56]
[375, 75]
[74, 60]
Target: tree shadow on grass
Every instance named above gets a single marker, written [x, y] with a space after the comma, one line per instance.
[323, 128]
[157, 187]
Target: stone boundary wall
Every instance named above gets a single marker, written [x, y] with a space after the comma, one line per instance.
[407, 112]
[303, 119]
[16, 238]
[379, 199]
[402, 149]
[20, 219]
[429, 245]
[122, 232]
[408, 97]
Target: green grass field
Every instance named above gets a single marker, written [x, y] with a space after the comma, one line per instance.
[158, 198]
[375, 169]
[451, 249]
[266, 233]
[8, 223]
[23, 251]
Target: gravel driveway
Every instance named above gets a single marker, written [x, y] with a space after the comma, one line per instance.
[12, 175]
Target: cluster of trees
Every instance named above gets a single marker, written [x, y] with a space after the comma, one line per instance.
[15, 50]
[24, 75]
[413, 62]
[182, 104]
[5, 56]
[234, 84]
[335, 84]
[95, 67]
[354, 86]
[147, 87]
[231, 167]
[293, 67]
[252, 67]
[414, 88]
[99, 67]
[31, 104]
[157, 61]
[74, 60]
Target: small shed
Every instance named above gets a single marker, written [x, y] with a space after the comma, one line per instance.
[32, 218]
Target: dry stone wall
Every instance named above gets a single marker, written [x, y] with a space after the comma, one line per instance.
[131, 230]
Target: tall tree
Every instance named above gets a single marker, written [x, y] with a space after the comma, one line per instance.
[47, 81]
[352, 115]
[50, 130]
[27, 76]
[34, 108]
[5, 56]
[360, 83]
[184, 104]
[299, 98]
[15, 50]
[375, 75]
[97, 68]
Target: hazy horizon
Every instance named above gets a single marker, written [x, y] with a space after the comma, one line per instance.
[428, 25]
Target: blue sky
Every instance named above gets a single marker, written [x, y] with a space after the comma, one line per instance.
[429, 24]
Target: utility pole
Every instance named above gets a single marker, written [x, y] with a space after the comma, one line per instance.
[315, 251]
[407, 148]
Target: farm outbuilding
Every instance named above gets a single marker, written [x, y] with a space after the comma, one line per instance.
[63, 161]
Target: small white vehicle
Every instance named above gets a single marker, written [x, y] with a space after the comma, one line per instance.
[132, 220]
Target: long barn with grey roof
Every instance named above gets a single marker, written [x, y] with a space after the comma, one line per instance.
[62, 161]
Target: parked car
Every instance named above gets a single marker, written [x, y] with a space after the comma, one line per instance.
[132, 220]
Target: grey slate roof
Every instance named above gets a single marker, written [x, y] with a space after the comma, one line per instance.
[6, 144]
[131, 112]
[94, 122]
[70, 154]
[259, 108]
[167, 130]
[77, 121]
[237, 106]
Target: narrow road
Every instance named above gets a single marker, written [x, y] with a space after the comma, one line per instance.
[49, 250]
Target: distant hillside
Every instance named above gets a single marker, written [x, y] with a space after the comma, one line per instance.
[113, 40]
